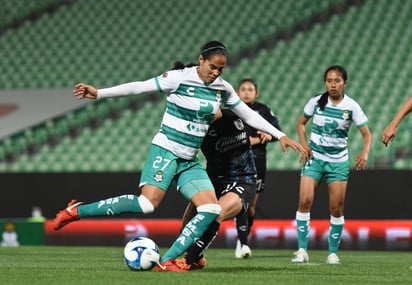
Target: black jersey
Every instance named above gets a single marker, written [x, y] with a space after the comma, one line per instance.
[227, 150]
[259, 150]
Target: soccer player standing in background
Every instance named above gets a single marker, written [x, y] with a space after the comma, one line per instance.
[332, 114]
[248, 92]
[194, 95]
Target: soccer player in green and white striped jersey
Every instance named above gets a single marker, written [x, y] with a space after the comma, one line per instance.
[332, 114]
[194, 94]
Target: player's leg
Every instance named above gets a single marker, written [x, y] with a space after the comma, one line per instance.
[111, 206]
[194, 256]
[207, 211]
[252, 212]
[337, 192]
[233, 200]
[309, 181]
[244, 225]
[242, 228]
[154, 185]
[336, 178]
[188, 214]
[230, 204]
[194, 184]
[306, 196]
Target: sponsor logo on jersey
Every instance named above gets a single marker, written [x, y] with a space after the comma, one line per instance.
[345, 114]
[239, 124]
[158, 176]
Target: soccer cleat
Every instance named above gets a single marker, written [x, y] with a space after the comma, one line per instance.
[333, 259]
[246, 252]
[242, 250]
[67, 215]
[300, 256]
[200, 264]
[172, 266]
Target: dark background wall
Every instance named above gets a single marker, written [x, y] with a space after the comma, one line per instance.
[374, 194]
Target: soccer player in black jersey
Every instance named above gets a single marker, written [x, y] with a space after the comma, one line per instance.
[248, 92]
[231, 168]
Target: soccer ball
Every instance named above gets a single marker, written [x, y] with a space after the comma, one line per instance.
[141, 254]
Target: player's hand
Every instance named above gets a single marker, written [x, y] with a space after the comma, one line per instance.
[264, 137]
[388, 135]
[218, 115]
[361, 161]
[286, 142]
[305, 156]
[82, 90]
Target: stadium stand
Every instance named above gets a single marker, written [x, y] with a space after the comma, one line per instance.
[284, 45]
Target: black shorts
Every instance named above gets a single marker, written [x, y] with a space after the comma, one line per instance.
[245, 191]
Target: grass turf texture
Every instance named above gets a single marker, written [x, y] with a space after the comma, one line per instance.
[105, 265]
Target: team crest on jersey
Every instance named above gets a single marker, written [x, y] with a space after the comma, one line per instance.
[239, 124]
[218, 96]
[158, 176]
[345, 114]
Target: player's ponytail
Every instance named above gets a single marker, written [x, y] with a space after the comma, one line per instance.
[323, 100]
[180, 65]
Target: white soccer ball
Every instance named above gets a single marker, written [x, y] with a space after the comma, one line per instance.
[141, 254]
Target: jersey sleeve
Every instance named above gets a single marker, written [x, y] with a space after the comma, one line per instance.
[128, 89]
[169, 80]
[358, 116]
[309, 108]
[232, 99]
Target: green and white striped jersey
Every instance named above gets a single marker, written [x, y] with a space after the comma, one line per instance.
[330, 127]
[191, 106]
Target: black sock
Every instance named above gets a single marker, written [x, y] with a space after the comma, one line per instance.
[250, 219]
[242, 228]
[195, 252]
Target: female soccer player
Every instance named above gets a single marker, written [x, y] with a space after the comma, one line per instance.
[193, 96]
[248, 92]
[332, 114]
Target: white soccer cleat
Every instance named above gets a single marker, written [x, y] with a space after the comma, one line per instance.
[246, 252]
[333, 259]
[300, 256]
[242, 251]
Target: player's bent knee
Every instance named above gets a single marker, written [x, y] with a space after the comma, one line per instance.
[145, 204]
[210, 208]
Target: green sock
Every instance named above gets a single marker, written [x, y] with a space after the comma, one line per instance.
[191, 232]
[111, 206]
[303, 228]
[335, 233]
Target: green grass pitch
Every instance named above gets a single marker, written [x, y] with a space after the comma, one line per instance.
[104, 265]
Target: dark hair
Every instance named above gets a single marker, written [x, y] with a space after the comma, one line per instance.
[248, 80]
[323, 100]
[180, 65]
[207, 50]
[213, 48]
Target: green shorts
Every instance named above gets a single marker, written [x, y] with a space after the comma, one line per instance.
[333, 171]
[163, 168]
